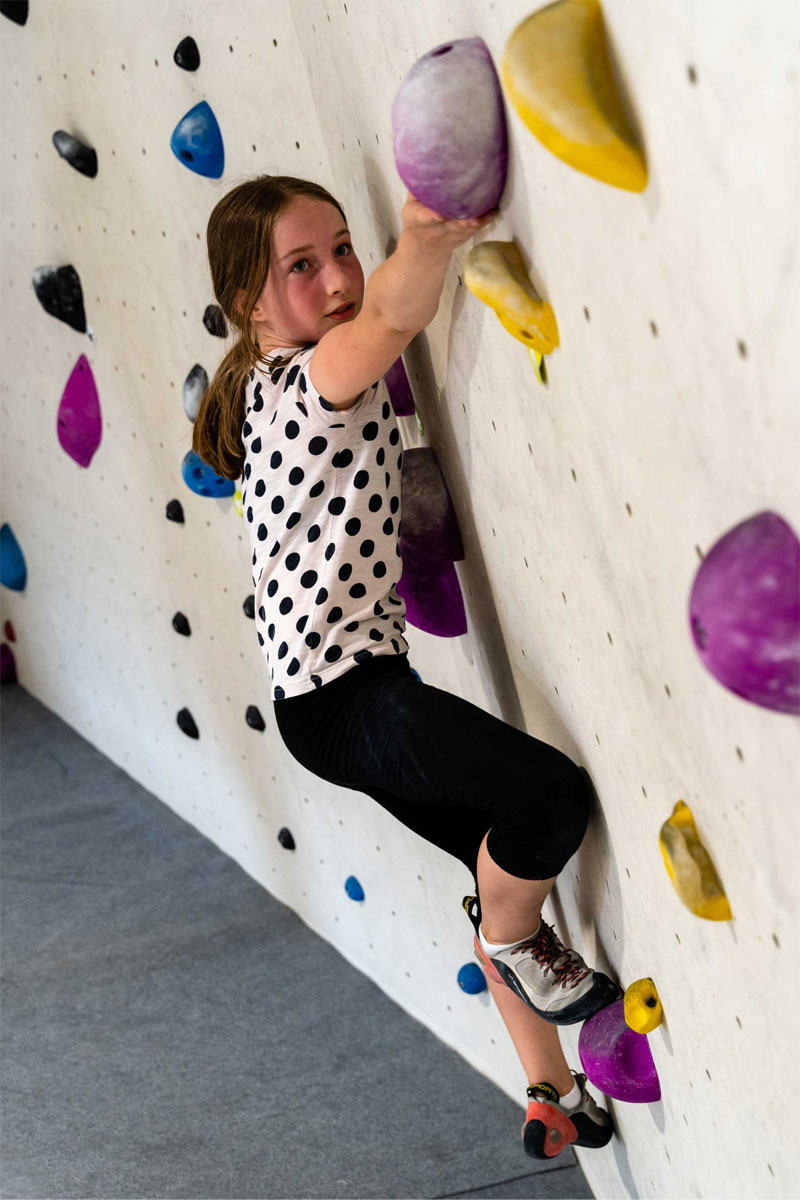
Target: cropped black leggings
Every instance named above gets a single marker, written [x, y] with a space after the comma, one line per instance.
[443, 767]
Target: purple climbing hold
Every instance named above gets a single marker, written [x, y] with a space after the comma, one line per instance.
[744, 612]
[8, 665]
[449, 130]
[399, 390]
[616, 1059]
[432, 593]
[80, 425]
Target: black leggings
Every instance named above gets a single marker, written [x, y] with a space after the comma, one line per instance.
[442, 766]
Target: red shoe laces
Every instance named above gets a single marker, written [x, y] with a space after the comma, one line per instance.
[567, 965]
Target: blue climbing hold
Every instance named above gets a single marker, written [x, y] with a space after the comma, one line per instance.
[354, 888]
[197, 142]
[471, 979]
[413, 672]
[203, 479]
[13, 571]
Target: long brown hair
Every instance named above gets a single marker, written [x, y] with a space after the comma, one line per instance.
[238, 242]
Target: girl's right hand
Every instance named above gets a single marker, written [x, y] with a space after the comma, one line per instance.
[438, 231]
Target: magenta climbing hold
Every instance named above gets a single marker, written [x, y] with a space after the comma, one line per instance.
[616, 1059]
[449, 130]
[744, 612]
[79, 424]
[432, 593]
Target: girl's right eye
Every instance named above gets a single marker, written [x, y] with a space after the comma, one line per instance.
[305, 260]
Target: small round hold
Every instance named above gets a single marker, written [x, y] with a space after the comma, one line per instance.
[354, 888]
[471, 979]
[286, 840]
[642, 1006]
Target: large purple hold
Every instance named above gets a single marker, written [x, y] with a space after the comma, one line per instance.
[744, 612]
[432, 593]
[80, 426]
[616, 1059]
[449, 130]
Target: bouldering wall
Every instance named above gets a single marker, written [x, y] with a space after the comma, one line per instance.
[588, 498]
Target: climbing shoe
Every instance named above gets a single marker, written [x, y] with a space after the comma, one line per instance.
[552, 980]
[549, 1127]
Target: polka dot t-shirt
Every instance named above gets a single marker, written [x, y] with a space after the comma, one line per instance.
[322, 505]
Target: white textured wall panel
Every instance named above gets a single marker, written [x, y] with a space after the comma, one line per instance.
[671, 415]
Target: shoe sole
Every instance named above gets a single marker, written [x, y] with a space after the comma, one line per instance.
[590, 1134]
[603, 992]
[547, 1131]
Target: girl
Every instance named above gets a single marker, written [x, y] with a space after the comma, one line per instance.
[299, 408]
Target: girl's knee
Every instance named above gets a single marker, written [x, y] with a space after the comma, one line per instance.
[572, 807]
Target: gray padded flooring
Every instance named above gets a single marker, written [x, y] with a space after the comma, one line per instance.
[171, 1029]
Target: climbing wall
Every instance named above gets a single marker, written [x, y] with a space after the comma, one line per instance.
[592, 481]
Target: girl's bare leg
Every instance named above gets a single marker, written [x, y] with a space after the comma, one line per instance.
[510, 911]
[536, 1041]
[510, 907]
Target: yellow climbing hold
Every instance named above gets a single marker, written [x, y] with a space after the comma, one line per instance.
[642, 1007]
[237, 502]
[690, 868]
[557, 72]
[537, 361]
[495, 273]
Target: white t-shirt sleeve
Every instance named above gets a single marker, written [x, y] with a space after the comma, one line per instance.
[296, 381]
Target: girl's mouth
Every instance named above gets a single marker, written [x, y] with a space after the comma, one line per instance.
[343, 313]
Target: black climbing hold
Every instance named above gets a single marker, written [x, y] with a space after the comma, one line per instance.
[186, 723]
[186, 55]
[181, 625]
[15, 10]
[214, 321]
[83, 158]
[195, 386]
[249, 607]
[58, 290]
[175, 511]
[286, 840]
[254, 718]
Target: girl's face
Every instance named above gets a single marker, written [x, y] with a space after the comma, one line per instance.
[313, 270]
